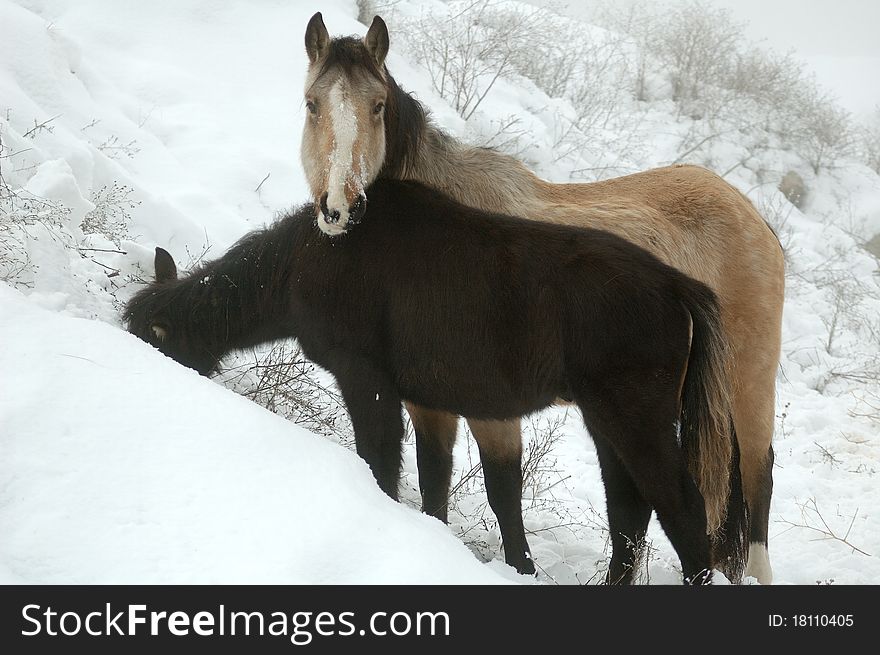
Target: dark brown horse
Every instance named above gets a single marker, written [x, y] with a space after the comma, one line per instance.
[492, 317]
[361, 126]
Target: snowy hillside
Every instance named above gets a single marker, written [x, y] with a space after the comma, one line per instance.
[107, 480]
[124, 126]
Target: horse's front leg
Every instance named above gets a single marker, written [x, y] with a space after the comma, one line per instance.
[435, 437]
[375, 410]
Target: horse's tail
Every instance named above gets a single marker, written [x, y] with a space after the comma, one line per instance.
[708, 437]
[730, 545]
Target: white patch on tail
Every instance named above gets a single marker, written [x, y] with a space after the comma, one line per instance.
[343, 121]
[759, 564]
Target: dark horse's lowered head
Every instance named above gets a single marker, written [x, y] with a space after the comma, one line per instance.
[491, 317]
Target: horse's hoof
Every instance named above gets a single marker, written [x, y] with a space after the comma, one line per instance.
[526, 566]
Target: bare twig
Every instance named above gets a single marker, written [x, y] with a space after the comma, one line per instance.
[118, 252]
[39, 127]
[257, 190]
[814, 521]
[827, 455]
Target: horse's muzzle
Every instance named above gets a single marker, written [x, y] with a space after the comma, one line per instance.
[334, 217]
[330, 217]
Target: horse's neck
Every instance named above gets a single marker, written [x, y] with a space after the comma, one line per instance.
[477, 177]
[243, 317]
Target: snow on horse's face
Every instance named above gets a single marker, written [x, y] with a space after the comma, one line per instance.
[343, 144]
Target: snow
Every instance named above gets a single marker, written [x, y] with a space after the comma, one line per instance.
[119, 466]
[105, 480]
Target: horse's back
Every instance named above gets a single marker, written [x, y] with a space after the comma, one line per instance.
[472, 291]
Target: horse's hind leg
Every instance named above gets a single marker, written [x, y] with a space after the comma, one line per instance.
[637, 420]
[435, 438]
[628, 515]
[753, 417]
[500, 444]
[752, 312]
[754, 405]
[758, 565]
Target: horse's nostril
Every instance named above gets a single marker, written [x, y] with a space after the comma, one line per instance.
[329, 216]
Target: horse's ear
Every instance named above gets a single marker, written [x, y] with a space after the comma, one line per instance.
[376, 40]
[317, 38]
[166, 269]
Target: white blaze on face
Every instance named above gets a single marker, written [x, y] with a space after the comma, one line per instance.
[343, 121]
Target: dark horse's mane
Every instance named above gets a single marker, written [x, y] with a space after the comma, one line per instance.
[406, 127]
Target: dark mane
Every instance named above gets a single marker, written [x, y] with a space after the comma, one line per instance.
[406, 125]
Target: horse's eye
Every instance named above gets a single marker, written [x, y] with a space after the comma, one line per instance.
[311, 106]
[379, 107]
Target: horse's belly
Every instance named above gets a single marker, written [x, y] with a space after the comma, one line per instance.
[478, 391]
[480, 408]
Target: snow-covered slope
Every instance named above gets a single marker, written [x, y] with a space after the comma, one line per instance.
[129, 125]
[118, 465]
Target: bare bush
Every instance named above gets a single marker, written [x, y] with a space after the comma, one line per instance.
[482, 41]
[110, 217]
[589, 68]
[21, 215]
[283, 381]
[540, 469]
[731, 87]
[464, 53]
[825, 132]
[846, 293]
[638, 23]
[563, 57]
[696, 45]
[768, 80]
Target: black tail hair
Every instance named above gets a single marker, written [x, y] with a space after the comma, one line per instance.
[708, 437]
[731, 549]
